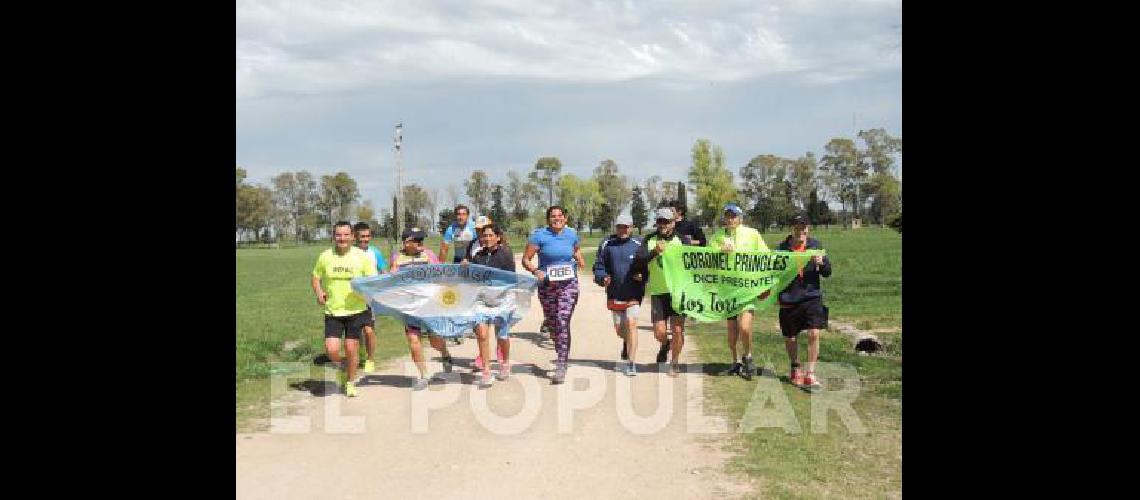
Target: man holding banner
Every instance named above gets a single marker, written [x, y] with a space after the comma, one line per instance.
[801, 303]
[736, 237]
[660, 301]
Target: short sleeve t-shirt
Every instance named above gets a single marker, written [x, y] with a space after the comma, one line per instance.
[656, 284]
[459, 237]
[745, 239]
[377, 258]
[337, 272]
[425, 257]
[554, 248]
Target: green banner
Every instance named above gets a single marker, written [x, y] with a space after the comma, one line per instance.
[708, 284]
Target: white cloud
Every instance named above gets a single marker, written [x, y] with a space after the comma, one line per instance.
[319, 47]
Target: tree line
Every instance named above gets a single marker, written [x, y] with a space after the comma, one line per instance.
[858, 175]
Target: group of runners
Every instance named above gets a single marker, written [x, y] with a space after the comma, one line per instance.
[624, 265]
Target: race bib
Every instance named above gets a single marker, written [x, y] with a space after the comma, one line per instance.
[560, 272]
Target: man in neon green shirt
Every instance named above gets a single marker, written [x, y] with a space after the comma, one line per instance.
[736, 237]
[660, 302]
[346, 313]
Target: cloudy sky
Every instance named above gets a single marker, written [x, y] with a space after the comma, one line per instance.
[495, 84]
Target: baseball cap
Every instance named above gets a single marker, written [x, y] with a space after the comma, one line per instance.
[623, 220]
[665, 213]
[734, 208]
[800, 220]
[414, 233]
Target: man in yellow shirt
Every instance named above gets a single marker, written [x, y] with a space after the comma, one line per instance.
[736, 237]
[346, 313]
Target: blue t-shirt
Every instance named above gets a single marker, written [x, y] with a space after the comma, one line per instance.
[458, 237]
[381, 262]
[554, 248]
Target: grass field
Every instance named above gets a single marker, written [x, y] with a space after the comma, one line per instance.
[865, 290]
[276, 308]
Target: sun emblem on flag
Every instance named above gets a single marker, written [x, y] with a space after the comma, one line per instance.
[449, 297]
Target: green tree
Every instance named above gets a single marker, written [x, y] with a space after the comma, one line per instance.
[254, 209]
[418, 205]
[364, 212]
[883, 188]
[614, 188]
[338, 193]
[638, 211]
[667, 193]
[478, 191]
[445, 219]
[545, 174]
[712, 181]
[498, 212]
[580, 197]
[604, 216]
[652, 190]
[843, 172]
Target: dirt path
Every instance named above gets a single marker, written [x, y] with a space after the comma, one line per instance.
[379, 445]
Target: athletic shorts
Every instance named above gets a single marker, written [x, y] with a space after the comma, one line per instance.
[809, 315]
[661, 307]
[630, 312]
[348, 326]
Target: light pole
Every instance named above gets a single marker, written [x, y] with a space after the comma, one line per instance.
[399, 215]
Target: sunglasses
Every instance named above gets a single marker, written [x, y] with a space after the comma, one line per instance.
[664, 221]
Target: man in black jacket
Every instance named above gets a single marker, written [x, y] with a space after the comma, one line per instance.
[801, 303]
[689, 231]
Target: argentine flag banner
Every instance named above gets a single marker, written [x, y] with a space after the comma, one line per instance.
[449, 299]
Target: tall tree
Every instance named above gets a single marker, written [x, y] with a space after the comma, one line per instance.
[614, 188]
[804, 179]
[498, 211]
[667, 193]
[711, 180]
[478, 191]
[515, 192]
[452, 196]
[254, 209]
[580, 197]
[843, 172]
[652, 190]
[445, 219]
[883, 188]
[546, 172]
[418, 206]
[338, 192]
[603, 217]
[364, 212]
[638, 211]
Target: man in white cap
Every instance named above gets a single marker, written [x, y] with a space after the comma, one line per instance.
[661, 303]
[736, 237]
[625, 286]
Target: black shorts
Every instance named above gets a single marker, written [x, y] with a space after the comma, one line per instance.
[661, 307]
[369, 319]
[810, 315]
[349, 326]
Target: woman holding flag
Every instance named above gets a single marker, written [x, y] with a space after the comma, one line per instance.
[493, 253]
[558, 250]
